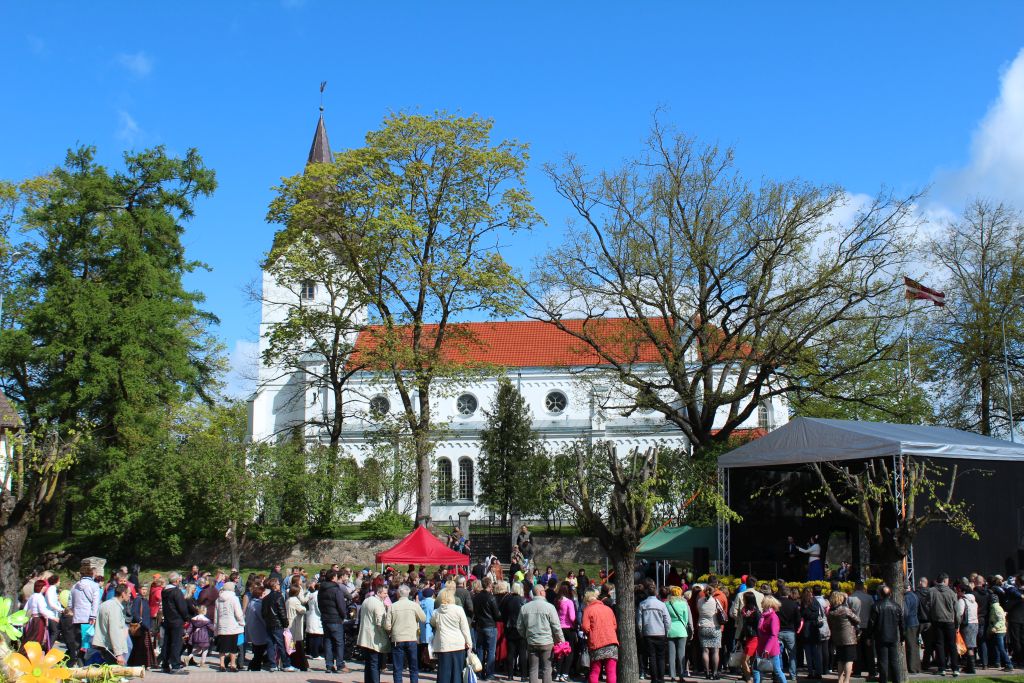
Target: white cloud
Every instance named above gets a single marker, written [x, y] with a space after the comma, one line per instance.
[996, 164]
[137, 63]
[244, 366]
[128, 129]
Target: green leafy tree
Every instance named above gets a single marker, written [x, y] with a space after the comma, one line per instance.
[316, 338]
[388, 473]
[511, 478]
[98, 332]
[982, 254]
[415, 216]
[224, 482]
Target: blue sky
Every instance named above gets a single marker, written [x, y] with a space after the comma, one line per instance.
[893, 94]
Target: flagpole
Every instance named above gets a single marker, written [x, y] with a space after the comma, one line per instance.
[910, 369]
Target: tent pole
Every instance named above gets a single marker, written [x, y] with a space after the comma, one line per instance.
[724, 531]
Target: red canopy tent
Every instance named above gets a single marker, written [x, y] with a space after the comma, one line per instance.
[421, 547]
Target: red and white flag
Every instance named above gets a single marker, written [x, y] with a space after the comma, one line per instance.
[915, 290]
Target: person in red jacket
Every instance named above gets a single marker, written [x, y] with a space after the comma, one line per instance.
[602, 640]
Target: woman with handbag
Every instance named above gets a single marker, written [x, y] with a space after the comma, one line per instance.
[843, 623]
[452, 638]
[140, 631]
[601, 627]
[710, 620]
[769, 651]
[813, 617]
[678, 633]
[749, 620]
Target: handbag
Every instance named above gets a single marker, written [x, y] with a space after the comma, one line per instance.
[765, 665]
[474, 662]
[736, 658]
[289, 641]
[961, 645]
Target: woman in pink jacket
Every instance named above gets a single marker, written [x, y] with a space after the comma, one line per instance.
[567, 620]
[768, 639]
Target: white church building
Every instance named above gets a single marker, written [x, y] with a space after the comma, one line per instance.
[562, 383]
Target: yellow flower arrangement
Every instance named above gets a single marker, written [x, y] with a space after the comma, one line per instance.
[35, 667]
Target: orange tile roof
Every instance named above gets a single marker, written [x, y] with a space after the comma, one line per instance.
[530, 343]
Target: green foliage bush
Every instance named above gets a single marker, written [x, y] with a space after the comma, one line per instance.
[386, 524]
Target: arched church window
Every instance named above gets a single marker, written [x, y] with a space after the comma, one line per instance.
[308, 291]
[444, 480]
[763, 416]
[465, 479]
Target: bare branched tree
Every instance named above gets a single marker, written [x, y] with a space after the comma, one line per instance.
[736, 287]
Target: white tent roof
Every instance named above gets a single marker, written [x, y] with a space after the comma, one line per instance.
[811, 439]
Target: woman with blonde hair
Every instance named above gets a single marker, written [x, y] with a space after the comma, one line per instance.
[843, 623]
[768, 646]
[678, 632]
[452, 638]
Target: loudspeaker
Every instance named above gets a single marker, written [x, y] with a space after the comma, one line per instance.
[701, 561]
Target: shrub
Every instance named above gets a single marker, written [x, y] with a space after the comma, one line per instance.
[386, 524]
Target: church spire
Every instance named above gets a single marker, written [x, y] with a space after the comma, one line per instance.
[320, 151]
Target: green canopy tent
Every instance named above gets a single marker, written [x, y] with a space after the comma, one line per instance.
[677, 543]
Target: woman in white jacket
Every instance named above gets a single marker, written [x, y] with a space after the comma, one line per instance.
[314, 626]
[452, 638]
[967, 616]
[295, 610]
[230, 623]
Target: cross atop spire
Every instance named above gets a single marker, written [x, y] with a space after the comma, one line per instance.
[320, 151]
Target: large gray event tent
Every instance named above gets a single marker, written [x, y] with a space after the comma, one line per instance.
[997, 501]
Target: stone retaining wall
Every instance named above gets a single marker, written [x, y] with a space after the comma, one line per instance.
[549, 550]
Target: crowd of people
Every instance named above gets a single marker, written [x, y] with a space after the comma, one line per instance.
[771, 629]
[526, 623]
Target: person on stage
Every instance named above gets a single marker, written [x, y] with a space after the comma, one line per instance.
[815, 569]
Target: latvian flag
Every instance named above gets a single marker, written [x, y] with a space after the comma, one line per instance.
[915, 290]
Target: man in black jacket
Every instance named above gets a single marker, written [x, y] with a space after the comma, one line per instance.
[983, 596]
[276, 619]
[176, 615]
[885, 627]
[924, 609]
[333, 599]
[465, 599]
[486, 615]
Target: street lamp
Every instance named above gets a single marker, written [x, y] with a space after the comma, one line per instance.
[1018, 300]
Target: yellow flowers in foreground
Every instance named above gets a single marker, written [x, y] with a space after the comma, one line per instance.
[35, 667]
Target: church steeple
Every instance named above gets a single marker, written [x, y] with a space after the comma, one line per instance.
[320, 151]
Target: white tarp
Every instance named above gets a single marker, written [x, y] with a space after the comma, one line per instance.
[811, 439]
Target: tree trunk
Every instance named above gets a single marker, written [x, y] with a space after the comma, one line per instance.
[625, 603]
[12, 542]
[234, 546]
[69, 520]
[421, 441]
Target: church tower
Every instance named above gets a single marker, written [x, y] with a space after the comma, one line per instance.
[286, 397]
